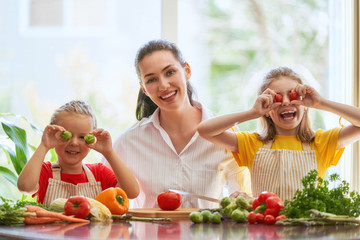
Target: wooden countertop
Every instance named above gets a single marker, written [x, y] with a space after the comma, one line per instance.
[178, 229]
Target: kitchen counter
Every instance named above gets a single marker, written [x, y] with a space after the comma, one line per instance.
[178, 229]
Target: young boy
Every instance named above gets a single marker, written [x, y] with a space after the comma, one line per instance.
[69, 176]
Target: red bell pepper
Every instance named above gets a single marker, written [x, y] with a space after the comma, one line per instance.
[269, 204]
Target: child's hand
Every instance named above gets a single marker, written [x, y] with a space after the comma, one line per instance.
[265, 102]
[308, 96]
[103, 143]
[52, 136]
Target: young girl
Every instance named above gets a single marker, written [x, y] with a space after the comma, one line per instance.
[287, 148]
[69, 176]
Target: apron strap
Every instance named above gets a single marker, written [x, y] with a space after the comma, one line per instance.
[306, 146]
[56, 169]
[268, 144]
[89, 174]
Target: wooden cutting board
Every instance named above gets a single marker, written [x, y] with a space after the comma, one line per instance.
[158, 213]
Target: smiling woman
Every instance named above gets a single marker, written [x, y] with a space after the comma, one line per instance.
[163, 149]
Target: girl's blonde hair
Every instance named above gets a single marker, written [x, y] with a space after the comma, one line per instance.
[78, 107]
[266, 125]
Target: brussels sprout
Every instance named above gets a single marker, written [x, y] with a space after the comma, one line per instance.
[215, 218]
[238, 216]
[206, 214]
[66, 135]
[196, 217]
[242, 202]
[225, 201]
[89, 138]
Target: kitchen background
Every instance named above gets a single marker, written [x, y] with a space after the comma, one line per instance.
[52, 51]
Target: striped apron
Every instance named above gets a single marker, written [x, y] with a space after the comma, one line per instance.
[59, 189]
[280, 170]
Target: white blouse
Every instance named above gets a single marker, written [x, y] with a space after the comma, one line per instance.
[201, 167]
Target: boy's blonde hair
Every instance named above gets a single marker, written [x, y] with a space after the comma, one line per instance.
[78, 107]
[266, 125]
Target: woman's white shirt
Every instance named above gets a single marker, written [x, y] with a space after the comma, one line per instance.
[201, 167]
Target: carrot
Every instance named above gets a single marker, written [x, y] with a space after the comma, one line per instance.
[41, 212]
[40, 220]
[32, 208]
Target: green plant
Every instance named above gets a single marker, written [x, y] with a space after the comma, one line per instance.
[13, 141]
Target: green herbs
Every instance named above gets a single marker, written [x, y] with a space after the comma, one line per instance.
[317, 195]
[13, 213]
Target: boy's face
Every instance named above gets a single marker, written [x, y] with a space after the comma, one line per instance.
[75, 150]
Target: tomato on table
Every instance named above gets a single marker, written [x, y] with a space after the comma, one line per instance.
[169, 200]
[78, 206]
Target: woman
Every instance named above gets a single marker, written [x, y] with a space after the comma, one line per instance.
[163, 149]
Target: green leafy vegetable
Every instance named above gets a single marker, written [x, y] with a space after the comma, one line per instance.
[317, 195]
[13, 213]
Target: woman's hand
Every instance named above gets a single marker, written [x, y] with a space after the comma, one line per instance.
[237, 194]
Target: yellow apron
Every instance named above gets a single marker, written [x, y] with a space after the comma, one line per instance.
[280, 170]
[59, 189]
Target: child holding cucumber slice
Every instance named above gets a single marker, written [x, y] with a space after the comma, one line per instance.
[286, 148]
[72, 132]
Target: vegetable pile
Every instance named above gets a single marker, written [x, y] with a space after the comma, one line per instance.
[266, 209]
[22, 213]
[317, 195]
[236, 209]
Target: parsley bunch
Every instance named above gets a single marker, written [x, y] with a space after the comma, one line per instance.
[317, 195]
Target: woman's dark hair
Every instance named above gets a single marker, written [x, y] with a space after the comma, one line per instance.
[145, 106]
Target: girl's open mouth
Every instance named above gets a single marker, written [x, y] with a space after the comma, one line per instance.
[288, 115]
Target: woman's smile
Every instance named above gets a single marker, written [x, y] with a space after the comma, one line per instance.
[169, 96]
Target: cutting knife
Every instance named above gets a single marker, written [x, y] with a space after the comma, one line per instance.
[194, 195]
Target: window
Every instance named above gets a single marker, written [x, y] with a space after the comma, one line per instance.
[231, 44]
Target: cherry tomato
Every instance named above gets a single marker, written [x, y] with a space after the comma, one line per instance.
[169, 200]
[78, 206]
[252, 217]
[278, 98]
[260, 217]
[269, 219]
[293, 96]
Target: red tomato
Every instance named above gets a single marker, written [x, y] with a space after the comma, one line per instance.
[269, 219]
[293, 96]
[78, 206]
[169, 200]
[252, 217]
[278, 98]
[260, 217]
